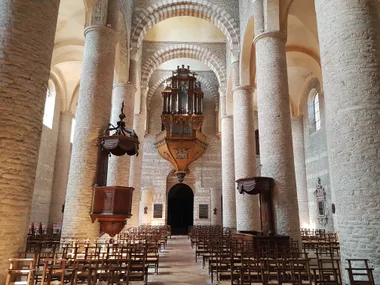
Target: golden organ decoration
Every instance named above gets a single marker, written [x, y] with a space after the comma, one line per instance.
[181, 140]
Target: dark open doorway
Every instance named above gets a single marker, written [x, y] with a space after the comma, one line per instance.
[180, 208]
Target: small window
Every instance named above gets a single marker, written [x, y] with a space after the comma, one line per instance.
[314, 112]
[49, 109]
[317, 114]
[72, 130]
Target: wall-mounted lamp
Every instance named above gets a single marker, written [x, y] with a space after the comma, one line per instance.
[215, 211]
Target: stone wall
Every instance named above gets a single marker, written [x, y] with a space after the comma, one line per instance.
[205, 172]
[45, 169]
[316, 159]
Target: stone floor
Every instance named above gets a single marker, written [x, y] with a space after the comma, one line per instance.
[178, 266]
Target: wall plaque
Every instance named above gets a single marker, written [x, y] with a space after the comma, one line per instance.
[157, 211]
[203, 211]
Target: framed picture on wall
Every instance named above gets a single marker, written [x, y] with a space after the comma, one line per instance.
[203, 211]
[157, 211]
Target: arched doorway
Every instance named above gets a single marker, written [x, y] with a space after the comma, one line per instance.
[180, 208]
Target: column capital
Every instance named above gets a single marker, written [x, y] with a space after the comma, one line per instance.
[227, 117]
[99, 28]
[128, 85]
[67, 113]
[234, 59]
[135, 53]
[247, 88]
[270, 34]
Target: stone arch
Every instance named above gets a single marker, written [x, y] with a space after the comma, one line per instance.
[248, 55]
[311, 88]
[74, 99]
[180, 51]
[172, 180]
[229, 97]
[152, 90]
[60, 89]
[163, 10]
[68, 51]
[312, 82]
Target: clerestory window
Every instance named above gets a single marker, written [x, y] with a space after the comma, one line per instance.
[314, 112]
[317, 114]
[49, 109]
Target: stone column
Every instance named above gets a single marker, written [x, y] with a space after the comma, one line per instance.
[92, 118]
[61, 168]
[300, 170]
[27, 30]
[216, 203]
[119, 166]
[276, 148]
[247, 206]
[349, 42]
[228, 171]
[136, 161]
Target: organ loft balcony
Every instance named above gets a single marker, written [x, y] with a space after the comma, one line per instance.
[181, 140]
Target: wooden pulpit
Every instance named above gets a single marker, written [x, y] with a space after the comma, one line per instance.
[262, 186]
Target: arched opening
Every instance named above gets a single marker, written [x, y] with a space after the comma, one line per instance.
[180, 208]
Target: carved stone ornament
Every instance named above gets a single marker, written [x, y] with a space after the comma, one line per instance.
[181, 153]
[322, 209]
[99, 14]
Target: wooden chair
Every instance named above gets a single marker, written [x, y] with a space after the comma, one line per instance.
[358, 268]
[55, 271]
[21, 271]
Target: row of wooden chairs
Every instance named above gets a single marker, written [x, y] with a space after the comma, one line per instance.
[81, 271]
[125, 258]
[246, 262]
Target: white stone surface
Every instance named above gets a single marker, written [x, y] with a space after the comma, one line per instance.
[26, 48]
[61, 169]
[276, 148]
[300, 170]
[92, 118]
[349, 41]
[119, 166]
[228, 172]
[247, 206]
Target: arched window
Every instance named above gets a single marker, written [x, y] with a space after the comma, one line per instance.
[317, 114]
[49, 107]
[72, 130]
[314, 111]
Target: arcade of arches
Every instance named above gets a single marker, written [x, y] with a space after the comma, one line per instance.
[304, 73]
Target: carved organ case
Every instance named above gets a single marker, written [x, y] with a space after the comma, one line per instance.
[181, 140]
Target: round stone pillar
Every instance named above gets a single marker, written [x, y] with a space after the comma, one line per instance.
[276, 147]
[61, 168]
[228, 171]
[300, 170]
[247, 206]
[350, 57]
[92, 118]
[216, 205]
[119, 166]
[136, 161]
[27, 30]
